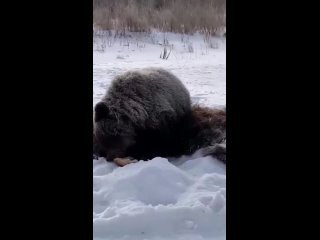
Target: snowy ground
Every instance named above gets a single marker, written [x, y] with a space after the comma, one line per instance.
[180, 199]
[200, 64]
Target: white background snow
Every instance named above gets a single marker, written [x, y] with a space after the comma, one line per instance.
[180, 199]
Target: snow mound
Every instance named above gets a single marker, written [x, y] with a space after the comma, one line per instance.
[160, 199]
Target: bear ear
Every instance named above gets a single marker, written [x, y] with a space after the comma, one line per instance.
[101, 111]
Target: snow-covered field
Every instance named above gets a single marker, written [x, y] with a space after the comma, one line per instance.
[196, 62]
[175, 199]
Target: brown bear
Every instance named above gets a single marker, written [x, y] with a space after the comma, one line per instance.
[148, 113]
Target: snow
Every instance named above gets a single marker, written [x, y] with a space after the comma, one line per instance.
[162, 199]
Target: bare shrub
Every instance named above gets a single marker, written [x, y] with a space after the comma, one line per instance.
[165, 54]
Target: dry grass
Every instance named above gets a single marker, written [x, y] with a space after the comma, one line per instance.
[181, 16]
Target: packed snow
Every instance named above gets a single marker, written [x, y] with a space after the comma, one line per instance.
[161, 199]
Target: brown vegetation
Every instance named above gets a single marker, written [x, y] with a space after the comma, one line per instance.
[182, 16]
